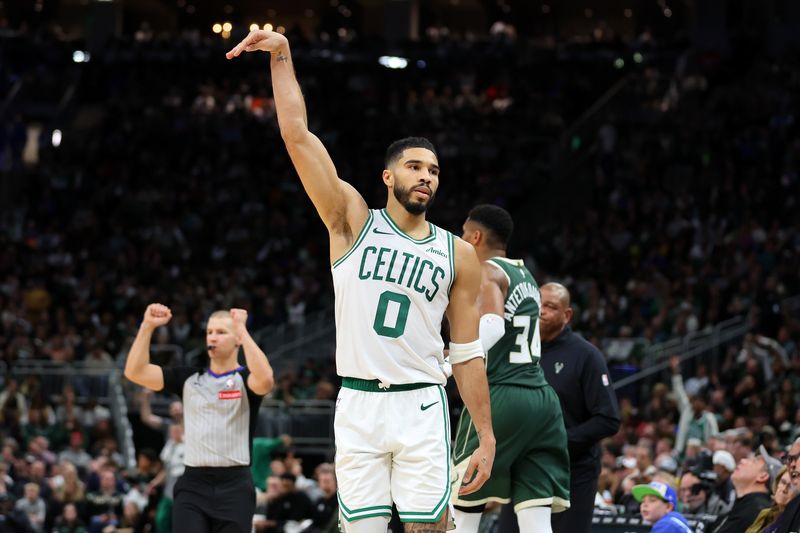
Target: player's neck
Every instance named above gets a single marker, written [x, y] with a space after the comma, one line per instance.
[488, 253]
[413, 225]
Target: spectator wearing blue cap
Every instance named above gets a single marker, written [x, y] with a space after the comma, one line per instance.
[657, 505]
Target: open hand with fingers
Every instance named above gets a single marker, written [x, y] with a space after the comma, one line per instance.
[260, 40]
[479, 468]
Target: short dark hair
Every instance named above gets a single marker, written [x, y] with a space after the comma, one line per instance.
[396, 149]
[495, 219]
[288, 476]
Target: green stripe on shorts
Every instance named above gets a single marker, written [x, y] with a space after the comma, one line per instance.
[364, 512]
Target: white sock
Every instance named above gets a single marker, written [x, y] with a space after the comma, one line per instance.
[466, 522]
[534, 520]
[375, 524]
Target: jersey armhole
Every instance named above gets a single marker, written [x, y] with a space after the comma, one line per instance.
[501, 269]
[361, 235]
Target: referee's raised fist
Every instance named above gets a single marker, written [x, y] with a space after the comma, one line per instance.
[239, 317]
[157, 315]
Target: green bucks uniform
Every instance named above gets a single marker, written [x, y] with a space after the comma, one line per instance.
[531, 466]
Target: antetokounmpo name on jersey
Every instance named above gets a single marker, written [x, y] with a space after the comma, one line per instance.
[523, 291]
[402, 268]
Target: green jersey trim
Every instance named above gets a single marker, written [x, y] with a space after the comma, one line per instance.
[451, 248]
[492, 262]
[403, 234]
[361, 235]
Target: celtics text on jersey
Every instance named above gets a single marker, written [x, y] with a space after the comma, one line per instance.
[391, 295]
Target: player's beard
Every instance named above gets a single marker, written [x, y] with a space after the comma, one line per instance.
[404, 197]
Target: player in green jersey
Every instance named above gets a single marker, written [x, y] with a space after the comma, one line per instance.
[531, 467]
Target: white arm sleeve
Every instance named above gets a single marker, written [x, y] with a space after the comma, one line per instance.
[492, 330]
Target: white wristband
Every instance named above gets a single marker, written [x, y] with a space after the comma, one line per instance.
[460, 353]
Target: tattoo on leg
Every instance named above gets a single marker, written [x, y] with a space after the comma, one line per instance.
[418, 527]
[440, 526]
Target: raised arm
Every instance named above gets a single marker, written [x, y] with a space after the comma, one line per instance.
[138, 367]
[468, 369]
[261, 377]
[340, 206]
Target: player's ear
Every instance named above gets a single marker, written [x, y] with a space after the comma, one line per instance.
[474, 237]
[388, 177]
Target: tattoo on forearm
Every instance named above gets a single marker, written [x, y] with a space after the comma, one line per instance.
[282, 58]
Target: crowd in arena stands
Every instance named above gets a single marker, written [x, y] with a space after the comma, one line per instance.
[176, 187]
[77, 482]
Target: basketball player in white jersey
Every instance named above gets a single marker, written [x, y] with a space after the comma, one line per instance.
[395, 277]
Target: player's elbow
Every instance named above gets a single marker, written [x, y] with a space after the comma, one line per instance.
[293, 131]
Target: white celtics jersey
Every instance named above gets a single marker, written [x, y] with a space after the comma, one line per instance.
[391, 295]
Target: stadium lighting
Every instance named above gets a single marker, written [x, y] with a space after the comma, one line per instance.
[267, 27]
[393, 62]
[638, 58]
[217, 28]
[227, 26]
[253, 26]
[280, 29]
[79, 56]
[619, 62]
[226, 34]
[667, 12]
[56, 138]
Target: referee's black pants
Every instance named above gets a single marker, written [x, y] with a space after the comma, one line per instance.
[576, 519]
[214, 500]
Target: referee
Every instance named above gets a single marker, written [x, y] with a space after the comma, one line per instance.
[216, 492]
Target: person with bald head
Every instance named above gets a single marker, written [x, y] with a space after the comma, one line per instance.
[578, 373]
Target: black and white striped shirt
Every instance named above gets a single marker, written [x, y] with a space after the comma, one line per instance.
[220, 414]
